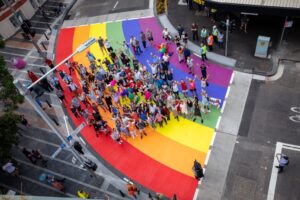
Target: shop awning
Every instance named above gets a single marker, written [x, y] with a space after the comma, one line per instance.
[263, 3]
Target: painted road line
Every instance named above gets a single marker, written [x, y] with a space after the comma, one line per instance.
[274, 174]
[46, 186]
[115, 5]
[218, 123]
[196, 194]
[21, 55]
[14, 189]
[223, 106]
[80, 138]
[227, 92]
[67, 177]
[232, 78]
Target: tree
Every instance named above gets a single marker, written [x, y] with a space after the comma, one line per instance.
[8, 134]
[9, 100]
[9, 95]
[2, 43]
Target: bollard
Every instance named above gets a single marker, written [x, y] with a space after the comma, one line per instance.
[48, 103]
[44, 46]
[46, 36]
[122, 193]
[42, 70]
[55, 121]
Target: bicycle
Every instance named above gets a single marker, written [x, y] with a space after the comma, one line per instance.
[295, 118]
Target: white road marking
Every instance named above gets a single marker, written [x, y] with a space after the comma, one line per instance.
[115, 5]
[21, 55]
[274, 174]
[182, 3]
[46, 186]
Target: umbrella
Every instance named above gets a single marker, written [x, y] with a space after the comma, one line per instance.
[19, 63]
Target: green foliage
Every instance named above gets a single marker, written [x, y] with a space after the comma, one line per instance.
[9, 99]
[8, 134]
[9, 95]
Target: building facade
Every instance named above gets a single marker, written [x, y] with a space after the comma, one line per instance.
[13, 12]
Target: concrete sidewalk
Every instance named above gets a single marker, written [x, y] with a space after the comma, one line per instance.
[213, 185]
[217, 58]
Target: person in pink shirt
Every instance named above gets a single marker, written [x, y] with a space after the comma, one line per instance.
[192, 86]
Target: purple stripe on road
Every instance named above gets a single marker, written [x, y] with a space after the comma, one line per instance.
[217, 75]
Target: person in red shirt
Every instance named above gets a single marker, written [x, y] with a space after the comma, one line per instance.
[32, 76]
[184, 87]
[49, 63]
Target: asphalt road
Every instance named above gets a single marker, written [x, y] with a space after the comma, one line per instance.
[91, 8]
[265, 122]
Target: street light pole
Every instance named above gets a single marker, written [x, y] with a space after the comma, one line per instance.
[282, 33]
[81, 48]
[227, 31]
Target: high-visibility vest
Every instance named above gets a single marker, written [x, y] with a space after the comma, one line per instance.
[215, 32]
[203, 49]
[201, 2]
[203, 33]
[210, 40]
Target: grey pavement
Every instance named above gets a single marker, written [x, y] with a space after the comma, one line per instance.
[213, 184]
[241, 46]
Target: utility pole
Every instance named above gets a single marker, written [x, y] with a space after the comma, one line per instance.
[282, 33]
[227, 33]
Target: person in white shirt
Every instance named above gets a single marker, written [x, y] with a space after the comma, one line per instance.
[166, 34]
[190, 64]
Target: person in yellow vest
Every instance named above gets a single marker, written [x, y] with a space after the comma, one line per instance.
[215, 32]
[210, 42]
[203, 50]
[203, 34]
[82, 194]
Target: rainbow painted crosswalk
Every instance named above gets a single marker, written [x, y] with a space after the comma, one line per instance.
[163, 160]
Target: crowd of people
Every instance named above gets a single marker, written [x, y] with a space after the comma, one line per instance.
[206, 37]
[134, 96]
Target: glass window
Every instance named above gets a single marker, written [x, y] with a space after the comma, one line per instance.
[16, 21]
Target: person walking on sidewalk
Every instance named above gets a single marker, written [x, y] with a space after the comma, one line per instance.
[203, 50]
[49, 63]
[194, 30]
[244, 23]
[180, 30]
[77, 146]
[132, 190]
[24, 121]
[283, 161]
[210, 42]
[28, 155]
